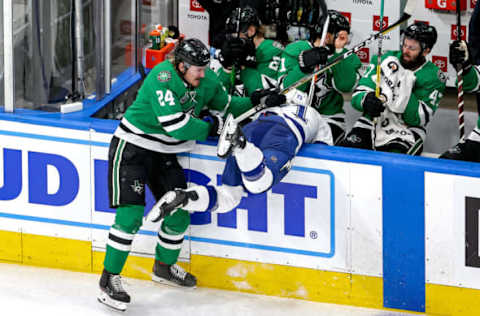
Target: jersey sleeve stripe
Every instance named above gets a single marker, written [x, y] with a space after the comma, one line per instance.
[177, 123]
[161, 138]
[165, 119]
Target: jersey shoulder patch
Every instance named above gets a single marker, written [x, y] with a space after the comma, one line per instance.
[441, 76]
[164, 76]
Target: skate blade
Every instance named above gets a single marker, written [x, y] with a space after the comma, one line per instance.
[170, 283]
[223, 147]
[107, 300]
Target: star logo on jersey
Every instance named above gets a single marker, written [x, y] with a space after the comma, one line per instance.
[268, 82]
[322, 88]
[138, 187]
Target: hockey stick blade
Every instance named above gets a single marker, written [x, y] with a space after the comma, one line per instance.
[405, 16]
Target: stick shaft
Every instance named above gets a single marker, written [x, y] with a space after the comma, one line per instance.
[460, 103]
[353, 50]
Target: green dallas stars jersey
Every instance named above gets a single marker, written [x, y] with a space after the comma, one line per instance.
[426, 93]
[471, 83]
[164, 116]
[471, 79]
[341, 78]
[264, 76]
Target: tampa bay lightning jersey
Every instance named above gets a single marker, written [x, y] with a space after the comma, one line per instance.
[305, 122]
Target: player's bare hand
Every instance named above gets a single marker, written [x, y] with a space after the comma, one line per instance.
[341, 40]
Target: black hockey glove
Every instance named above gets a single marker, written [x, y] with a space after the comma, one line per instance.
[215, 120]
[310, 58]
[250, 54]
[459, 55]
[268, 97]
[232, 52]
[372, 106]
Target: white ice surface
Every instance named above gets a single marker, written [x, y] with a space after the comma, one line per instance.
[36, 291]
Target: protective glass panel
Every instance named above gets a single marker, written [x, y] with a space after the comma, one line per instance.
[47, 57]
[123, 37]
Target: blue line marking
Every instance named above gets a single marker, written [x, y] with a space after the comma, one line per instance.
[55, 138]
[260, 247]
[200, 156]
[152, 233]
[53, 221]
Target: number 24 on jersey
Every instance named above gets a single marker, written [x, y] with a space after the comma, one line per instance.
[165, 97]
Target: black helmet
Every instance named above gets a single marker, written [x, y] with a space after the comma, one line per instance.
[337, 23]
[425, 34]
[240, 19]
[193, 52]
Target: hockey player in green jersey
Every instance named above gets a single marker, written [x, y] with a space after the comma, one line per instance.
[468, 150]
[165, 119]
[301, 57]
[258, 58]
[411, 89]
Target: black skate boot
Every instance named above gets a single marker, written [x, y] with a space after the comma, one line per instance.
[230, 138]
[173, 274]
[112, 293]
[170, 202]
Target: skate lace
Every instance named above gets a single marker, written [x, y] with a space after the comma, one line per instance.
[178, 272]
[116, 282]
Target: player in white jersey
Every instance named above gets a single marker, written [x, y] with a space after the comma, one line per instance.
[258, 155]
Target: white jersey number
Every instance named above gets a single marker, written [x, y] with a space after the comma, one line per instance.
[277, 63]
[165, 98]
[435, 97]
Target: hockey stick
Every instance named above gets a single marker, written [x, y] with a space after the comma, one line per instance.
[409, 8]
[379, 73]
[322, 11]
[233, 73]
[379, 54]
[461, 121]
[407, 13]
[322, 42]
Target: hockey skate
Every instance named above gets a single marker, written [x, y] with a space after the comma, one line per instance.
[170, 202]
[230, 138]
[173, 274]
[112, 293]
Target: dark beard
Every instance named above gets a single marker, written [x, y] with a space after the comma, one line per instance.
[412, 65]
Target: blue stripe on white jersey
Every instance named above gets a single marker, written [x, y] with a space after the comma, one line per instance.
[301, 112]
[298, 126]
